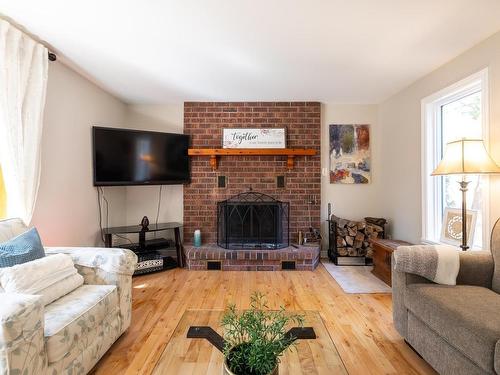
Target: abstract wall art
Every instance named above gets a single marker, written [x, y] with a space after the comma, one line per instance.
[350, 161]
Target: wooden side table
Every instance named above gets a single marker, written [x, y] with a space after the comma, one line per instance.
[382, 255]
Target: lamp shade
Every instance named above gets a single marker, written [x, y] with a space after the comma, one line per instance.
[466, 156]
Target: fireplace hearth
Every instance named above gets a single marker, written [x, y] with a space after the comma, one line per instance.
[252, 220]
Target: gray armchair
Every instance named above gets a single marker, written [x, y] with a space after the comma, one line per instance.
[456, 329]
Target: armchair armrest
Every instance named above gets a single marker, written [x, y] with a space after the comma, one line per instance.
[112, 260]
[400, 282]
[105, 266]
[21, 334]
[476, 268]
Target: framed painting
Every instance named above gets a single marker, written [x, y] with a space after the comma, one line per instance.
[451, 231]
[350, 161]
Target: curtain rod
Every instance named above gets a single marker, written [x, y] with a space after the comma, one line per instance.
[50, 55]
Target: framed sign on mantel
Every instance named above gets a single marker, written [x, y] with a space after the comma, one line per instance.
[254, 138]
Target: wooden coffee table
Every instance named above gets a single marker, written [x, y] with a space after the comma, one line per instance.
[382, 257]
[197, 356]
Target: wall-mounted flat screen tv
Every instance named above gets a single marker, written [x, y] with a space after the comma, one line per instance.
[135, 157]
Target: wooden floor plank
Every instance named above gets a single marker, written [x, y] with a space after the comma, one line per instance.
[360, 325]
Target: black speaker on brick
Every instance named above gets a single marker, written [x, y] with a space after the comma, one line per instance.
[221, 181]
[280, 181]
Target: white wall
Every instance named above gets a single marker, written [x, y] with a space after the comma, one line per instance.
[66, 211]
[143, 200]
[351, 201]
[400, 121]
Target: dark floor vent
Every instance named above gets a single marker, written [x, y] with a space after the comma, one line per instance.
[287, 265]
[213, 266]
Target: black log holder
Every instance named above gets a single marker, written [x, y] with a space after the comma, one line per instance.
[208, 333]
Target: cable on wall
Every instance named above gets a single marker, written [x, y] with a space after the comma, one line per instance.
[107, 207]
[124, 238]
[158, 210]
[159, 205]
[100, 214]
[101, 197]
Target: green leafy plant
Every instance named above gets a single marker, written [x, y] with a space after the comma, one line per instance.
[255, 338]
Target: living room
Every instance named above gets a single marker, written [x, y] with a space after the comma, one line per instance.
[247, 187]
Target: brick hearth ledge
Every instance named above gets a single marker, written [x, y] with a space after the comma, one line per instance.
[305, 258]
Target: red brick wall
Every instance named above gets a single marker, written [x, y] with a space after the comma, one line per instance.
[204, 123]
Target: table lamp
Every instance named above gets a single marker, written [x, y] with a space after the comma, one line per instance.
[463, 157]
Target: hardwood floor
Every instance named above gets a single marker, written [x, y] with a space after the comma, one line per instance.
[359, 324]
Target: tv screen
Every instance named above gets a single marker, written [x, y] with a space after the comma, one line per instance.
[134, 157]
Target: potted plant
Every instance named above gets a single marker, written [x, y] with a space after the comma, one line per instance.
[256, 338]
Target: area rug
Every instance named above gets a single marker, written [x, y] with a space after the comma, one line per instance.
[356, 279]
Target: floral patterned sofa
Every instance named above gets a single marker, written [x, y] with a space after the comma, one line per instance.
[72, 333]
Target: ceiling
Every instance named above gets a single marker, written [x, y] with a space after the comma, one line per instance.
[160, 51]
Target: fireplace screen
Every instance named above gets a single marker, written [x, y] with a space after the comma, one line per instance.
[252, 221]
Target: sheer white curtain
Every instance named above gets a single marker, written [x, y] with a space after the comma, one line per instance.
[23, 83]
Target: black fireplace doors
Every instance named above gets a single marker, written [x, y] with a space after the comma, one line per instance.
[252, 221]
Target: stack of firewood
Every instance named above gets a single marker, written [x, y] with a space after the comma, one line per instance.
[353, 237]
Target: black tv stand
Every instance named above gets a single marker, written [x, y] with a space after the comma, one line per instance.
[150, 250]
[150, 245]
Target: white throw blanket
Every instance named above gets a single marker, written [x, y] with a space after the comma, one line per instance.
[438, 263]
[51, 277]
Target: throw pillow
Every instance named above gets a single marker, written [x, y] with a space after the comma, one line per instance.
[21, 249]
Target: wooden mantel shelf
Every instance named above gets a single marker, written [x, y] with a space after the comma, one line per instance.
[213, 153]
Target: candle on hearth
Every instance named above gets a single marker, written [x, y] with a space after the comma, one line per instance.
[197, 238]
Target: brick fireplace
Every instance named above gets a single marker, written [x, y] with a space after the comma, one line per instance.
[204, 122]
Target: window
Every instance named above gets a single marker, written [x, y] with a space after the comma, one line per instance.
[3, 197]
[459, 111]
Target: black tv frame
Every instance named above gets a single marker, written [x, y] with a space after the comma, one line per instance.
[133, 183]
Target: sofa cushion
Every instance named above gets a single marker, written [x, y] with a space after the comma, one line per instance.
[464, 316]
[21, 249]
[72, 318]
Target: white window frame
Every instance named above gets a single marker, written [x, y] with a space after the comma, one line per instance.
[430, 115]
